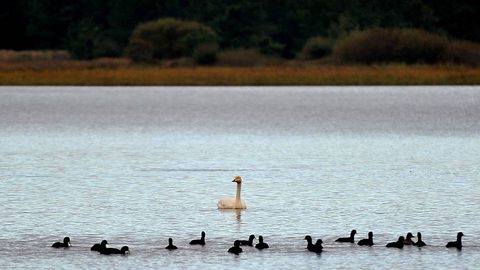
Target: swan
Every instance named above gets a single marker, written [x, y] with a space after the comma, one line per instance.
[233, 203]
[65, 244]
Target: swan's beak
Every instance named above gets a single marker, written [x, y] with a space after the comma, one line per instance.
[233, 180]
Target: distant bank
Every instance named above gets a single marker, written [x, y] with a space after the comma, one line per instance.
[80, 74]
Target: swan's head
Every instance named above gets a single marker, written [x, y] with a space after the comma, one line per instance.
[409, 235]
[236, 243]
[308, 238]
[370, 234]
[237, 179]
[104, 243]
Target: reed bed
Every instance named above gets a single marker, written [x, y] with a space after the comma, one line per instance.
[127, 74]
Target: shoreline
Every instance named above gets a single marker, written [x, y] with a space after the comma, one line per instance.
[242, 76]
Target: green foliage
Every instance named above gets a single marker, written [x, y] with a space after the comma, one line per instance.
[316, 47]
[84, 40]
[269, 47]
[168, 39]
[391, 45]
[272, 27]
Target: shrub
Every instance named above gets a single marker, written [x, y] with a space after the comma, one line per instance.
[463, 52]
[316, 47]
[140, 51]
[87, 41]
[205, 54]
[168, 39]
[414, 46]
[391, 45]
[268, 46]
[245, 58]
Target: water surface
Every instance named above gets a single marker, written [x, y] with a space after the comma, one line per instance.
[137, 165]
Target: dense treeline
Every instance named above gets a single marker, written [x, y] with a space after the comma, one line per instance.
[92, 28]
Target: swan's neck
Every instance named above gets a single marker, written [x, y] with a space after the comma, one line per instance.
[238, 198]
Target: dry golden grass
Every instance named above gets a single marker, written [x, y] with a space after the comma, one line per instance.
[122, 72]
[21, 56]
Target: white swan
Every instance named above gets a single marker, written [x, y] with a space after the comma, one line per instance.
[233, 203]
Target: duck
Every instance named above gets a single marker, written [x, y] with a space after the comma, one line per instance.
[64, 244]
[233, 203]
[456, 244]
[248, 242]
[108, 251]
[261, 245]
[236, 249]
[368, 241]
[318, 248]
[408, 240]
[98, 246]
[200, 241]
[398, 244]
[310, 245]
[348, 239]
[170, 246]
[419, 242]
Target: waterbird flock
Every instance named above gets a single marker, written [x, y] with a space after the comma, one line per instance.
[236, 249]
[238, 203]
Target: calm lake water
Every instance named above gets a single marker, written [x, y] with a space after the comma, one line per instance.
[136, 165]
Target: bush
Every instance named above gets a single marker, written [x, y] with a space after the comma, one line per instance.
[87, 41]
[245, 58]
[316, 47]
[140, 51]
[205, 54]
[269, 47]
[463, 52]
[391, 45]
[168, 39]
